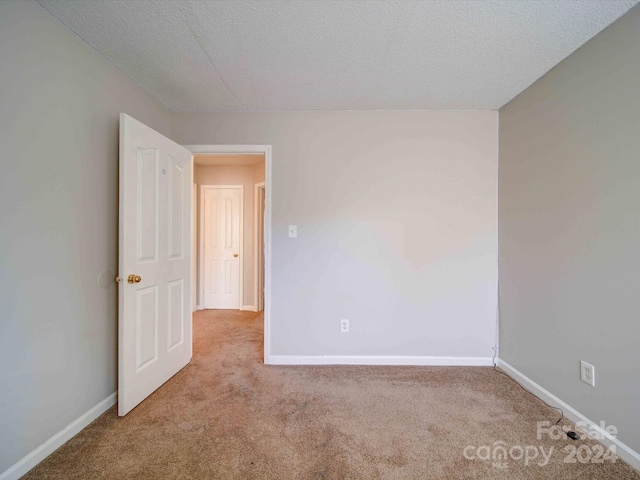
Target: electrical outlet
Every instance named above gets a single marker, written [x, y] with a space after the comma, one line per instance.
[344, 326]
[587, 373]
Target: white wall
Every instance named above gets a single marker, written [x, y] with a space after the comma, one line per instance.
[59, 106]
[569, 230]
[248, 176]
[396, 215]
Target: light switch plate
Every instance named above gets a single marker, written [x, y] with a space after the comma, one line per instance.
[293, 231]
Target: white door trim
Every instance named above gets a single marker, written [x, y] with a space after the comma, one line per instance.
[257, 244]
[194, 243]
[203, 188]
[268, 166]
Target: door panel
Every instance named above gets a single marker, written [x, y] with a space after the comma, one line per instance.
[176, 314]
[147, 204]
[176, 208]
[154, 324]
[146, 327]
[221, 230]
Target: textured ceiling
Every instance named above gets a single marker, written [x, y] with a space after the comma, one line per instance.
[205, 55]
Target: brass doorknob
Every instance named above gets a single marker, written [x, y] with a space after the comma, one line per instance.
[134, 278]
[235, 254]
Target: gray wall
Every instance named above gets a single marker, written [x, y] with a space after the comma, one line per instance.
[397, 227]
[59, 106]
[569, 229]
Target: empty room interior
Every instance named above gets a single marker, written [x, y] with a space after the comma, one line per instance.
[300, 239]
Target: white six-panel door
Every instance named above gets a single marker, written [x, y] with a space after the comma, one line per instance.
[221, 209]
[154, 325]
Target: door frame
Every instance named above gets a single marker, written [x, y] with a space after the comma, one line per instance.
[268, 181]
[203, 188]
[194, 242]
[258, 253]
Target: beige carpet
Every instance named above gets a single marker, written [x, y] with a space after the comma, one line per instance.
[228, 416]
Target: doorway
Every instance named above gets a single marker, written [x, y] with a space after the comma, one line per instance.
[255, 253]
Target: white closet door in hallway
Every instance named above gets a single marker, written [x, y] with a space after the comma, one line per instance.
[221, 213]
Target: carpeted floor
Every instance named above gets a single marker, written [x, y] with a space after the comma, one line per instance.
[228, 416]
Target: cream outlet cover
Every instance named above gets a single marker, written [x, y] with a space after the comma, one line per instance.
[335, 55]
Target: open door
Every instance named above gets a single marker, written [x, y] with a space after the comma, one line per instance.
[154, 294]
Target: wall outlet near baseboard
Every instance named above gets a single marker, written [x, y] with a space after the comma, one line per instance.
[344, 325]
[587, 373]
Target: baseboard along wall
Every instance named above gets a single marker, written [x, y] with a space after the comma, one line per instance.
[63, 436]
[378, 360]
[625, 452]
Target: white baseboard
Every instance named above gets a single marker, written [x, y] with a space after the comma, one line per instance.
[377, 360]
[244, 308]
[47, 448]
[623, 451]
